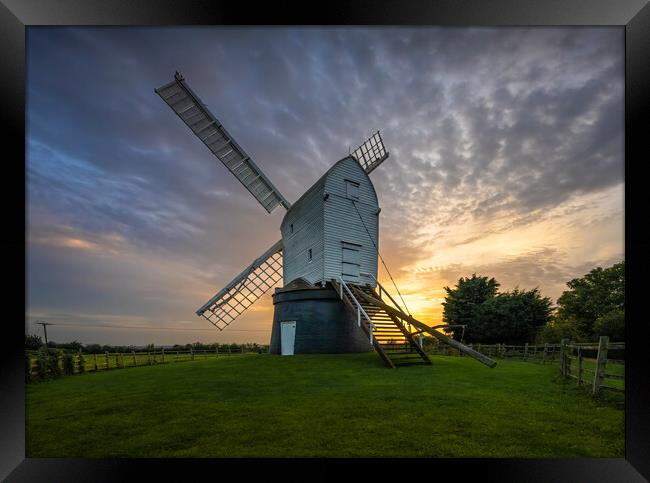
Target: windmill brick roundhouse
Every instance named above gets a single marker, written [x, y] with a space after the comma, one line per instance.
[326, 259]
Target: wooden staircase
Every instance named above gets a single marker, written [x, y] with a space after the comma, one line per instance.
[390, 337]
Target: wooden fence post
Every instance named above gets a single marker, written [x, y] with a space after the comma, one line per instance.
[545, 351]
[563, 344]
[579, 366]
[135, 362]
[526, 351]
[601, 362]
[117, 360]
[95, 358]
[192, 352]
[107, 363]
[163, 355]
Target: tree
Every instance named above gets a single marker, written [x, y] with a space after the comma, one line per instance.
[611, 324]
[557, 329]
[600, 294]
[33, 342]
[94, 349]
[463, 302]
[511, 317]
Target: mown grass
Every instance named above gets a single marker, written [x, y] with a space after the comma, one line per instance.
[321, 405]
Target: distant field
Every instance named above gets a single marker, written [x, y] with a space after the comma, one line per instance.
[322, 405]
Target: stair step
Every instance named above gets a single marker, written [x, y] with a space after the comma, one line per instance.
[389, 333]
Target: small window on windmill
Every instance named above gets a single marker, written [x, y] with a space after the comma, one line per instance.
[352, 189]
[291, 228]
[309, 257]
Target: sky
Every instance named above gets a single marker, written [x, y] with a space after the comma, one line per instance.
[506, 160]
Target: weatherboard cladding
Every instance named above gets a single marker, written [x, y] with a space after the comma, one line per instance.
[324, 225]
[307, 220]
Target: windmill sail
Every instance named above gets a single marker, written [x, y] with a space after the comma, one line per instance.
[371, 153]
[208, 129]
[232, 300]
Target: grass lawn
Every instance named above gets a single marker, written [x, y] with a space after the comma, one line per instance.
[322, 405]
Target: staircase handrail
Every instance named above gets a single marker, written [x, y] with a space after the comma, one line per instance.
[419, 325]
[360, 310]
[383, 289]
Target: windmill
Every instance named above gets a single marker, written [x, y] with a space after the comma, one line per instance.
[331, 300]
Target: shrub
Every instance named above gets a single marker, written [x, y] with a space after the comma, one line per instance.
[82, 364]
[612, 324]
[41, 366]
[557, 329]
[53, 362]
[28, 368]
[68, 364]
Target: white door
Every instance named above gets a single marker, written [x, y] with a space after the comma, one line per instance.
[287, 337]
[350, 263]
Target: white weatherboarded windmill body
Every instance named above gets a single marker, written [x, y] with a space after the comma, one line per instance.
[327, 257]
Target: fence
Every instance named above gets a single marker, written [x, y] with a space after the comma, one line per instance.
[592, 364]
[533, 353]
[588, 363]
[66, 363]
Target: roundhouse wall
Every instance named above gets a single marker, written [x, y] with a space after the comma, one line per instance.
[324, 324]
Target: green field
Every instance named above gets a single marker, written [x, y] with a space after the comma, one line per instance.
[322, 405]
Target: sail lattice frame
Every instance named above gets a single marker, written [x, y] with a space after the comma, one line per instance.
[186, 104]
[371, 153]
[245, 289]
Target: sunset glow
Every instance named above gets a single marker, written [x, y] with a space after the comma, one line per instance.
[506, 160]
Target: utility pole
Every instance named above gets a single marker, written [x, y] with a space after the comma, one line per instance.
[44, 324]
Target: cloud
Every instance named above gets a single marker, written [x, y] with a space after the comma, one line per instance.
[489, 130]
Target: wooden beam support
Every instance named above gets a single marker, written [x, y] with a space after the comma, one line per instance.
[419, 325]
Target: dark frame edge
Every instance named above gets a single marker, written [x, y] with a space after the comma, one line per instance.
[637, 243]
[12, 112]
[12, 412]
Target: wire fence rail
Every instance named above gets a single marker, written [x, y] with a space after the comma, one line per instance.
[532, 353]
[40, 365]
[601, 365]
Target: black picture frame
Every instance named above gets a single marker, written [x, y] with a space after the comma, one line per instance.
[633, 15]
